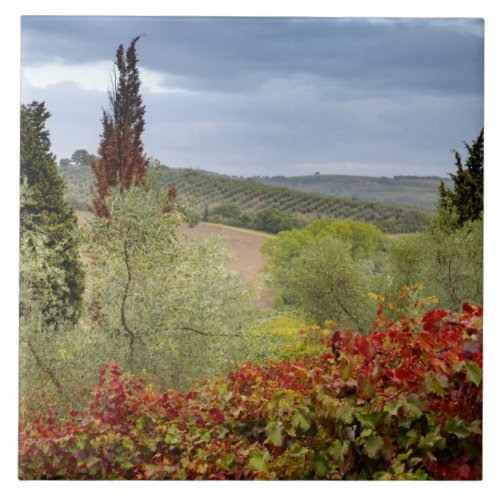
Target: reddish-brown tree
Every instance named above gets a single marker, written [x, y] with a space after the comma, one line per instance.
[171, 196]
[120, 156]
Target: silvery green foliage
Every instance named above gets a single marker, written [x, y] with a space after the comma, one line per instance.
[41, 282]
[166, 307]
[453, 270]
[326, 283]
[42, 279]
[447, 262]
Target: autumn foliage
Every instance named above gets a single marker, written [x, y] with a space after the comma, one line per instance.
[121, 159]
[404, 402]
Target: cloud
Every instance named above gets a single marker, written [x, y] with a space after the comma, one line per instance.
[220, 54]
[256, 96]
[87, 76]
[96, 76]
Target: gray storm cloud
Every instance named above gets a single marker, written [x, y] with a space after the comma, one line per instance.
[254, 96]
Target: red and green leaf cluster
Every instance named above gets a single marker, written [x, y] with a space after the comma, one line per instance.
[402, 402]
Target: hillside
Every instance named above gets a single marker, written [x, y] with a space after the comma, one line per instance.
[201, 190]
[406, 190]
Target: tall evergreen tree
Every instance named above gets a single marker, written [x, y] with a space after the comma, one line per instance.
[120, 157]
[465, 200]
[45, 212]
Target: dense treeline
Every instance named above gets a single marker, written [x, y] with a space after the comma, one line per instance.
[270, 220]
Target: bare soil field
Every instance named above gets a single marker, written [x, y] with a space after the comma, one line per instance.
[246, 257]
[83, 217]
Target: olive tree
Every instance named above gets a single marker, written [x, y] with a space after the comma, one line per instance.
[325, 283]
[326, 269]
[453, 265]
[168, 307]
[447, 262]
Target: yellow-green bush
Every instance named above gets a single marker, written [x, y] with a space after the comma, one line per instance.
[282, 337]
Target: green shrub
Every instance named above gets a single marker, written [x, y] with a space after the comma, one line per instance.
[404, 402]
[275, 221]
[325, 283]
[167, 307]
[323, 269]
[447, 262]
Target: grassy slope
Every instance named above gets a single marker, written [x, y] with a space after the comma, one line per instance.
[200, 189]
[412, 191]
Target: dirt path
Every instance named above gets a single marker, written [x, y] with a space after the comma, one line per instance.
[246, 257]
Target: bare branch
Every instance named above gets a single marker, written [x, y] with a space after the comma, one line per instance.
[45, 368]
[207, 334]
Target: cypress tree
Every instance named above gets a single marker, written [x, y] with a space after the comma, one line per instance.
[465, 200]
[120, 157]
[45, 211]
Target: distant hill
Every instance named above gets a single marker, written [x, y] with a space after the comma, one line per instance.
[200, 190]
[406, 190]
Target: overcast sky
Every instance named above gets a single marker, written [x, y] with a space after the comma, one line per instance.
[257, 96]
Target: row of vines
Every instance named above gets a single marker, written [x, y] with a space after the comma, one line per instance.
[200, 189]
